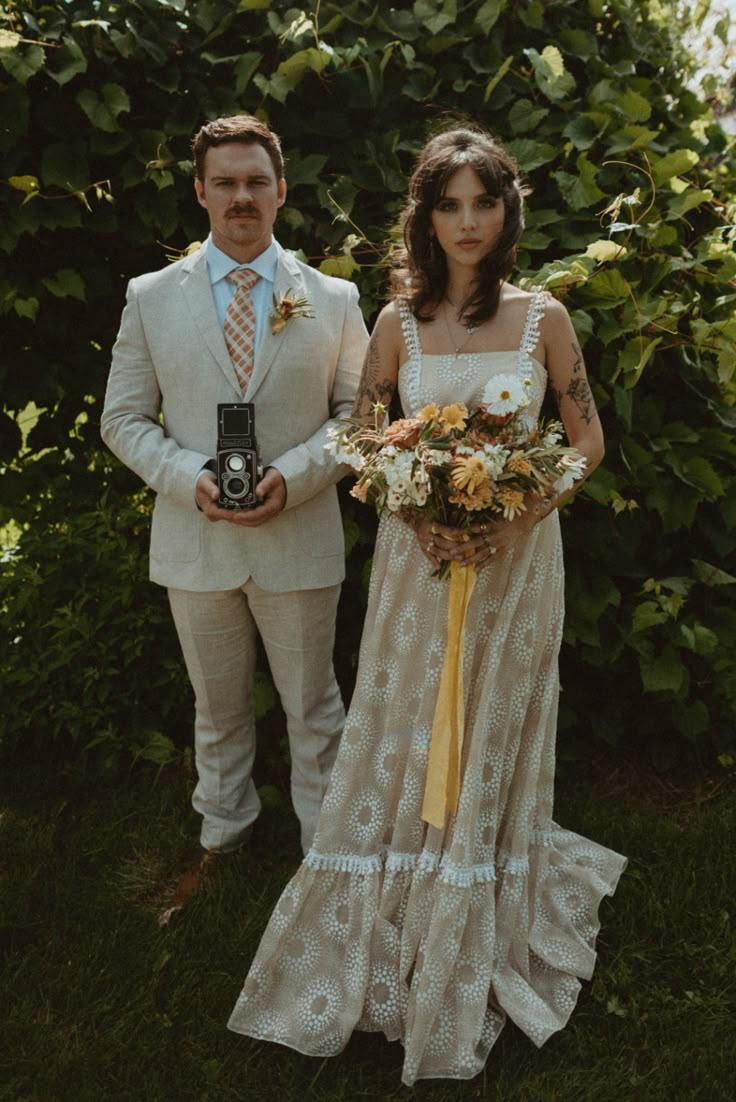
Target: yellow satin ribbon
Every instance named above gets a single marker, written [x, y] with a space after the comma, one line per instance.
[442, 788]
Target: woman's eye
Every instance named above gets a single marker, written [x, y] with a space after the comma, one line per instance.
[446, 205]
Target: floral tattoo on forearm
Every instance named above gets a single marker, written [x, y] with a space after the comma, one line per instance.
[578, 390]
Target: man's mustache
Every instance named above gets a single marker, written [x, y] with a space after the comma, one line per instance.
[235, 211]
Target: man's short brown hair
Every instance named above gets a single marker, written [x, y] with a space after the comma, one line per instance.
[237, 128]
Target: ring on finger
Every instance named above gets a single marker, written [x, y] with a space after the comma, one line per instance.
[434, 529]
[430, 547]
[492, 550]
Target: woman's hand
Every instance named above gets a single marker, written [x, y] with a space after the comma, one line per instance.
[441, 543]
[499, 535]
[478, 546]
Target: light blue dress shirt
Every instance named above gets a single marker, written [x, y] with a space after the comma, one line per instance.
[219, 264]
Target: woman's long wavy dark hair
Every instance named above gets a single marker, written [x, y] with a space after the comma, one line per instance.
[420, 272]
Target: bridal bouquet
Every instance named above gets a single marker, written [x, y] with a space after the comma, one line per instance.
[456, 466]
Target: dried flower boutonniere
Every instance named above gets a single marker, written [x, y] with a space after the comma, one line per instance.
[288, 307]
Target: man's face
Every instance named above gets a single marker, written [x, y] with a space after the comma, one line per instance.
[241, 195]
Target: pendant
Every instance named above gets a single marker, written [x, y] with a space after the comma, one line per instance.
[470, 330]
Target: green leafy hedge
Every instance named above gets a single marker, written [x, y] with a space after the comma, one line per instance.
[630, 221]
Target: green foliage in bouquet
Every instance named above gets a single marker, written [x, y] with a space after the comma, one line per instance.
[630, 221]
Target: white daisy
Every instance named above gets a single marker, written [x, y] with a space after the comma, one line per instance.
[505, 394]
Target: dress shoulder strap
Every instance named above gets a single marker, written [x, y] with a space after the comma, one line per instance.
[535, 313]
[409, 328]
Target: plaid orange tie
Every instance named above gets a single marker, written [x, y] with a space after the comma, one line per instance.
[240, 324]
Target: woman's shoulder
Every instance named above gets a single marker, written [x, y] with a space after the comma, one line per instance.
[388, 330]
[519, 296]
[514, 302]
[391, 318]
[514, 295]
[521, 300]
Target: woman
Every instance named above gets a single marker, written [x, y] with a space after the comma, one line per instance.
[434, 936]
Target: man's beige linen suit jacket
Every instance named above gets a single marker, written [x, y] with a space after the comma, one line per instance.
[170, 368]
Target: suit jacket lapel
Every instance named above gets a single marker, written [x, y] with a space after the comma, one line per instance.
[288, 281]
[195, 284]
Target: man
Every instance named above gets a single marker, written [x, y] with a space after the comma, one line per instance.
[192, 337]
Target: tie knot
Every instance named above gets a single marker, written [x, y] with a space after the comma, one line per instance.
[243, 278]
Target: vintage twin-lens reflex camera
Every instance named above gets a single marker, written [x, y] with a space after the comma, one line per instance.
[237, 456]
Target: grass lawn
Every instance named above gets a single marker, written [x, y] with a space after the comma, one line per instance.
[99, 1003]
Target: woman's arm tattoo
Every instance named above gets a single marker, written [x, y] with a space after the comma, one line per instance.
[580, 394]
[579, 391]
[372, 387]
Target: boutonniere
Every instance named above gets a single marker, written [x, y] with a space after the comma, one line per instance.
[288, 307]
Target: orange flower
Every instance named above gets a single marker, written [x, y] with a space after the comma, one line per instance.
[404, 432]
[288, 306]
[468, 473]
[360, 491]
[518, 465]
[429, 413]
[454, 416]
[472, 500]
[511, 502]
[493, 420]
[476, 439]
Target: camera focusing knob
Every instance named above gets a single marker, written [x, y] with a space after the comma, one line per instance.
[235, 462]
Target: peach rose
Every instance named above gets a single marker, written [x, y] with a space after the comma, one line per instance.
[403, 433]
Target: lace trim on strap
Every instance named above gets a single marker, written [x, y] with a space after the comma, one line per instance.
[414, 348]
[409, 327]
[459, 876]
[530, 336]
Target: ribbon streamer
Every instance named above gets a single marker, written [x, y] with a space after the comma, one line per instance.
[442, 788]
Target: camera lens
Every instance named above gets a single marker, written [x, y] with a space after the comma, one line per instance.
[235, 487]
[235, 462]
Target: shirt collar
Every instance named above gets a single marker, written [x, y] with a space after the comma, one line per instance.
[220, 264]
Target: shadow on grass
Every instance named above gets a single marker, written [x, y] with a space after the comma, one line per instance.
[99, 1003]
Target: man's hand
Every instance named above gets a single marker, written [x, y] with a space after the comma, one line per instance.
[271, 492]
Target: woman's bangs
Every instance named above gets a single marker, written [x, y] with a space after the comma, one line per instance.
[493, 175]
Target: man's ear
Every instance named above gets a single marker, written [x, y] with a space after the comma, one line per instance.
[281, 192]
[199, 188]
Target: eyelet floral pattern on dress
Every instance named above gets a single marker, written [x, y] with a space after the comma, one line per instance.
[436, 937]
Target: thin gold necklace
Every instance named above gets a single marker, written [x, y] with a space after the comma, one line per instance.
[470, 329]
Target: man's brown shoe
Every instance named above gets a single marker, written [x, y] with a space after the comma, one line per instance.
[193, 878]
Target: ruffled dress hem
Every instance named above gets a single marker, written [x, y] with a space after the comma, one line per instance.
[378, 983]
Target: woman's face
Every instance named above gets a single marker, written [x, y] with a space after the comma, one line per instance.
[467, 221]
